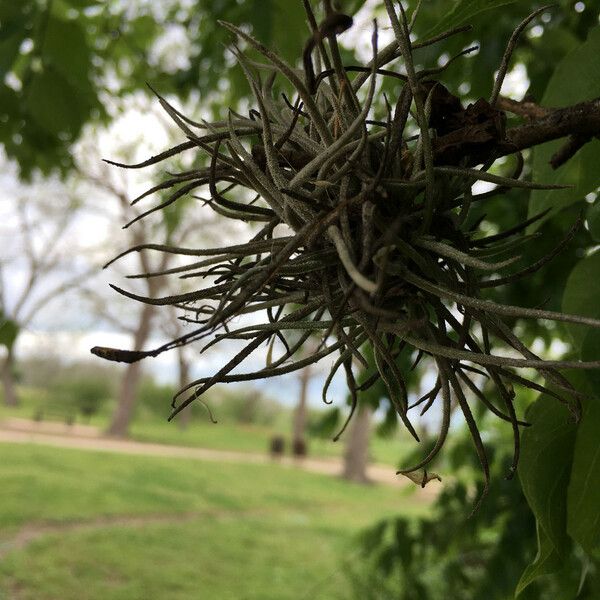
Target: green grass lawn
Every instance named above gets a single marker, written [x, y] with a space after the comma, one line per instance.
[232, 531]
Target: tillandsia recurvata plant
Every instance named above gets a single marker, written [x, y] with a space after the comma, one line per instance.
[376, 248]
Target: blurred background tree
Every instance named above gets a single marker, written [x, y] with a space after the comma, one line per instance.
[64, 62]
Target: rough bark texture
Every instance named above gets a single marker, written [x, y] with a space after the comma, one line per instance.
[579, 119]
[123, 414]
[8, 380]
[476, 134]
[356, 456]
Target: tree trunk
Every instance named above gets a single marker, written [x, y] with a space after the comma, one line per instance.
[299, 424]
[249, 410]
[183, 365]
[7, 371]
[123, 414]
[356, 456]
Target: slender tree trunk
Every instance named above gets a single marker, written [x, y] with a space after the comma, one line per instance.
[123, 414]
[249, 410]
[7, 371]
[299, 424]
[356, 456]
[185, 416]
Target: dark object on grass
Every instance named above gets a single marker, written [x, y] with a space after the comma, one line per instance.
[277, 446]
[299, 448]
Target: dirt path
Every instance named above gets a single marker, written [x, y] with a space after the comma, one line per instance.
[21, 431]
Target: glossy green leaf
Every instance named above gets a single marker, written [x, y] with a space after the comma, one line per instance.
[463, 11]
[582, 294]
[544, 470]
[576, 79]
[9, 331]
[583, 499]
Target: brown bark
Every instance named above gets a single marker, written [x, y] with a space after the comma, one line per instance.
[127, 397]
[476, 134]
[579, 119]
[524, 108]
[123, 414]
[8, 380]
[356, 455]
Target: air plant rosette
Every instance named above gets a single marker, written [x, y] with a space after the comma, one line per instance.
[377, 248]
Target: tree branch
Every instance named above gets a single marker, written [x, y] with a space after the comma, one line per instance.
[581, 119]
[478, 134]
[523, 108]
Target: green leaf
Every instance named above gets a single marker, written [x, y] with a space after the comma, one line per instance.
[281, 25]
[82, 3]
[463, 11]
[579, 68]
[593, 220]
[142, 30]
[9, 50]
[581, 295]
[544, 469]
[9, 331]
[261, 19]
[15, 26]
[9, 105]
[65, 49]
[53, 103]
[575, 79]
[583, 499]
[547, 561]
[289, 40]
[580, 172]
[10, 11]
